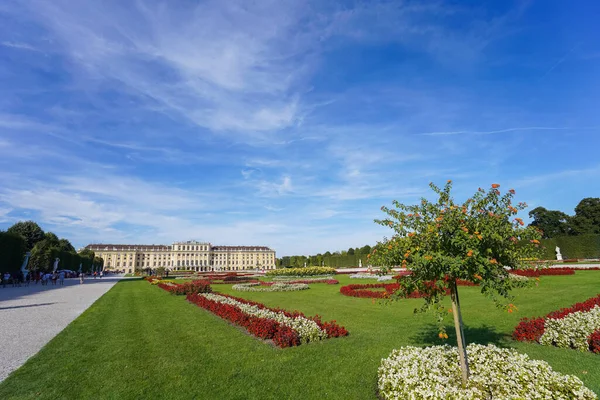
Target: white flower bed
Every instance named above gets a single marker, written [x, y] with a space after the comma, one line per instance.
[573, 330]
[301, 278]
[276, 287]
[307, 329]
[371, 276]
[433, 373]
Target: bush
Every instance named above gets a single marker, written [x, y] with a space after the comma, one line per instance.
[434, 373]
[308, 271]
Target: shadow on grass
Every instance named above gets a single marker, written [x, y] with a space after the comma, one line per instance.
[483, 334]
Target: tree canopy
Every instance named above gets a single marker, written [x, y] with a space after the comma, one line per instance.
[443, 241]
[552, 223]
[555, 223]
[29, 230]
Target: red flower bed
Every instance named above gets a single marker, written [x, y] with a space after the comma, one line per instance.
[362, 290]
[539, 272]
[594, 342]
[282, 336]
[530, 330]
[186, 288]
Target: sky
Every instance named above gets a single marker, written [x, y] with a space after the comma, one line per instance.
[288, 123]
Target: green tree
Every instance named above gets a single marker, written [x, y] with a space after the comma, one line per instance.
[443, 241]
[587, 216]
[41, 255]
[66, 246]
[350, 251]
[52, 238]
[29, 230]
[99, 262]
[552, 223]
[13, 247]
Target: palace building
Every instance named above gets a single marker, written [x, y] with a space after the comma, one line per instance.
[184, 256]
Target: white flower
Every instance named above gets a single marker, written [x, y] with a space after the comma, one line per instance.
[307, 329]
[277, 287]
[434, 373]
[573, 330]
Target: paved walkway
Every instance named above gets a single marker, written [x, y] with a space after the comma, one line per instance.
[31, 316]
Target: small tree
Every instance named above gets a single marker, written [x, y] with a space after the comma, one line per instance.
[441, 242]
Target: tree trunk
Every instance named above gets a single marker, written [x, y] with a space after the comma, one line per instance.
[460, 337]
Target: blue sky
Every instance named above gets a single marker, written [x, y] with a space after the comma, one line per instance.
[288, 123]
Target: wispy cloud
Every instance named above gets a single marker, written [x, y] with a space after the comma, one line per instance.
[18, 45]
[518, 129]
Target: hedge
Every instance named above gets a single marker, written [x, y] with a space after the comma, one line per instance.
[12, 252]
[582, 246]
[307, 271]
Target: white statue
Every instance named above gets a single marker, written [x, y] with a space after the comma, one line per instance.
[359, 263]
[558, 255]
[55, 267]
[24, 266]
[304, 264]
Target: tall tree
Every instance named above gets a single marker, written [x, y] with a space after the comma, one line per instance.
[350, 251]
[441, 242]
[66, 246]
[52, 238]
[552, 223]
[29, 230]
[41, 255]
[587, 216]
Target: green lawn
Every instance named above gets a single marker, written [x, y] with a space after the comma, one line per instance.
[138, 341]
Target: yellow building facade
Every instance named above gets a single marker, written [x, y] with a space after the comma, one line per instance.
[184, 256]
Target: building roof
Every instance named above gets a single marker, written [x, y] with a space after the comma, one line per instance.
[127, 247]
[162, 247]
[247, 248]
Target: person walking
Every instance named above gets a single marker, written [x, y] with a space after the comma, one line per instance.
[80, 277]
[5, 279]
[61, 277]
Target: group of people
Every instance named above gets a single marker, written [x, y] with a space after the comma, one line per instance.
[18, 279]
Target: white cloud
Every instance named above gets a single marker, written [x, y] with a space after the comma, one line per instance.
[222, 65]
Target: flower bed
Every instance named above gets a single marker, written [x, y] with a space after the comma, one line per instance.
[306, 281]
[308, 271]
[434, 373]
[364, 290]
[283, 327]
[186, 288]
[534, 273]
[572, 327]
[372, 276]
[274, 287]
[315, 279]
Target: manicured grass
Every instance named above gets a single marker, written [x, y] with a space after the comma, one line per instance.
[138, 341]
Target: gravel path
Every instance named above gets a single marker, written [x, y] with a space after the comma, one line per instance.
[31, 316]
